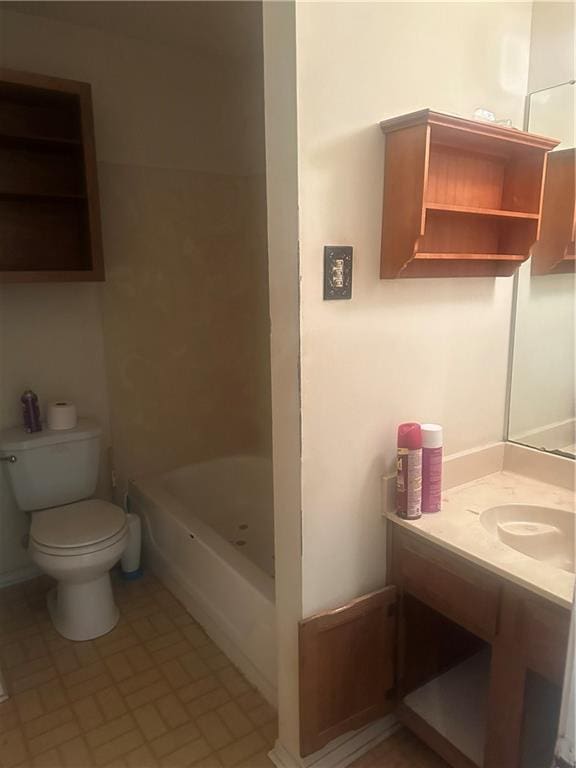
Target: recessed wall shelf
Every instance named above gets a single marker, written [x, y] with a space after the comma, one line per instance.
[555, 253]
[38, 196]
[49, 205]
[24, 140]
[462, 198]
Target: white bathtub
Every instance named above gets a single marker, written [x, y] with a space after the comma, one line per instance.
[208, 535]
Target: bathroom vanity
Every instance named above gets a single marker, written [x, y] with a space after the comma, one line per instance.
[467, 645]
[484, 595]
[465, 694]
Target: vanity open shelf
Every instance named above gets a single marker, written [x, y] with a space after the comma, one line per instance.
[454, 705]
[461, 197]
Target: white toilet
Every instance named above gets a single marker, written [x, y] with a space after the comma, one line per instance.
[73, 538]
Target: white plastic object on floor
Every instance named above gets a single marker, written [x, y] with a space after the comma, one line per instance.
[131, 557]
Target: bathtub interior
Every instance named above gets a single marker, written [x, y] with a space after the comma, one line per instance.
[234, 497]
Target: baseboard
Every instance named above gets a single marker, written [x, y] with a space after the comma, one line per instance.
[20, 574]
[342, 751]
[214, 629]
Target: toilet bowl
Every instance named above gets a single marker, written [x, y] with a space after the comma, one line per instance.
[77, 544]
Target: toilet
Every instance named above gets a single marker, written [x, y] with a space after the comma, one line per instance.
[73, 538]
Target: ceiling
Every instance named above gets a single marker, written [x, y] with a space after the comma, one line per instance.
[232, 29]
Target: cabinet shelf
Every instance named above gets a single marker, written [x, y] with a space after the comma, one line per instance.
[49, 204]
[470, 256]
[454, 706]
[24, 140]
[475, 211]
[40, 196]
[461, 197]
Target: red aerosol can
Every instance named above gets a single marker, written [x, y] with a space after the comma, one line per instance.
[409, 471]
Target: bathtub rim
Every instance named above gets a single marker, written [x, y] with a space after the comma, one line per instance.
[150, 489]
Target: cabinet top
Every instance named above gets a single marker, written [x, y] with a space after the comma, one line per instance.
[481, 127]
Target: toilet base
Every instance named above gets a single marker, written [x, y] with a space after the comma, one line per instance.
[83, 611]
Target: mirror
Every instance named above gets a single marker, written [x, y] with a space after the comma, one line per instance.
[541, 397]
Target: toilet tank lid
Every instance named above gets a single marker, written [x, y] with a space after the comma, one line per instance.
[17, 439]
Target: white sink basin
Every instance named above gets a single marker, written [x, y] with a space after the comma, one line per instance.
[543, 533]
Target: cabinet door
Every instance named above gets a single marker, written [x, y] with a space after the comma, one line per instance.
[346, 668]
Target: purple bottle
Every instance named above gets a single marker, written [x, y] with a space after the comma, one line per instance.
[31, 411]
[431, 467]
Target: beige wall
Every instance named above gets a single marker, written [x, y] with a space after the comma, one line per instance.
[156, 105]
[425, 350]
[552, 54]
[182, 320]
[185, 317]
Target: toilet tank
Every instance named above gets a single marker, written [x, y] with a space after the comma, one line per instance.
[52, 467]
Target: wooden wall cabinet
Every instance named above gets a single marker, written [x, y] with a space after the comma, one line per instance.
[555, 253]
[49, 205]
[462, 198]
[470, 662]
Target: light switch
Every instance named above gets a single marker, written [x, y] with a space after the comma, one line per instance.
[337, 272]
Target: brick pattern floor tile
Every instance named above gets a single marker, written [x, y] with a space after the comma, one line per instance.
[402, 750]
[155, 692]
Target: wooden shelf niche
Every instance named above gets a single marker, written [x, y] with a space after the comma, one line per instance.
[49, 206]
[554, 253]
[462, 198]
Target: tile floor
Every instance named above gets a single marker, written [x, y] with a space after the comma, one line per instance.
[402, 750]
[154, 693]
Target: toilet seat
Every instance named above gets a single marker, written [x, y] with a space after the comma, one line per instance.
[77, 551]
[79, 528]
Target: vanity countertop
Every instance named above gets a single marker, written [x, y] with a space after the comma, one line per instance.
[457, 527]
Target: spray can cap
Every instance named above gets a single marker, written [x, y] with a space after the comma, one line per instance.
[431, 436]
[410, 436]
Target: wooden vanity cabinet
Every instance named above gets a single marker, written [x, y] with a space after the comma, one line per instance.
[440, 615]
[533, 638]
[447, 584]
[522, 633]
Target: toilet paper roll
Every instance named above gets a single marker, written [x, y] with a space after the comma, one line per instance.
[61, 415]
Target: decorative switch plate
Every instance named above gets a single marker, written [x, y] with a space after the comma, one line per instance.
[337, 272]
